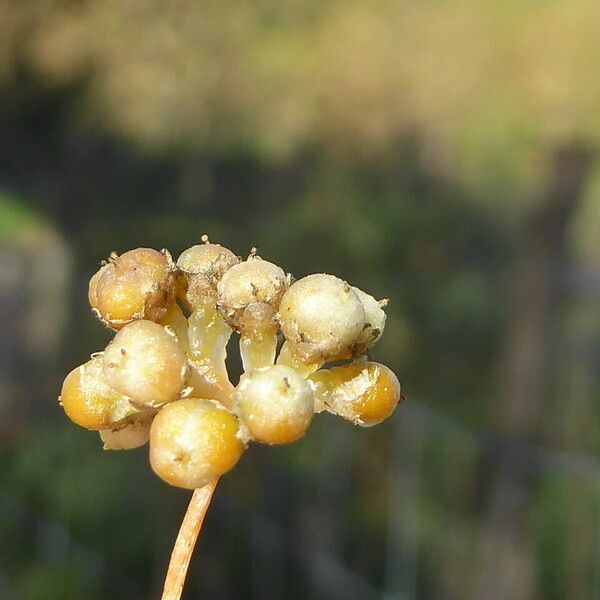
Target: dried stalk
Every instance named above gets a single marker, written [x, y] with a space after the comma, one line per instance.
[186, 540]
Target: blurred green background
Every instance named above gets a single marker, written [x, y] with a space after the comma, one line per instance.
[441, 154]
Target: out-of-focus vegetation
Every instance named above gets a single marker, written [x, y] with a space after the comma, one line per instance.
[441, 154]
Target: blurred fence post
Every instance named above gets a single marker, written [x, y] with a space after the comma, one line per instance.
[527, 375]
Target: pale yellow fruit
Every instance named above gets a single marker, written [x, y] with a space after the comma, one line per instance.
[275, 404]
[89, 401]
[139, 284]
[146, 362]
[322, 317]
[193, 441]
[363, 392]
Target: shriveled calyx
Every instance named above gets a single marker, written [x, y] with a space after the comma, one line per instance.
[201, 268]
[126, 436]
[248, 296]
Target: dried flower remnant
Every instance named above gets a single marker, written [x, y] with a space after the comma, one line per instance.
[129, 435]
[163, 378]
[201, 268]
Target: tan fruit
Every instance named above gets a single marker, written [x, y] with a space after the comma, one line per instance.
[275, 404]
[322, 317]
[193, 441]
[363, 392]
[139, 284]
[146, 362]
[89, 401]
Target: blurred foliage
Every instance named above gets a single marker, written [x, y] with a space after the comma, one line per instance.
[15, 219]
[413, 148]
[490, 88]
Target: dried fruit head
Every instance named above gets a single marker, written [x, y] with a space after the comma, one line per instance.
[139, 284]
[249, 294]
[145, 362]
[163, 378]
[322, 317]
[275, 404]
[193, 441]
[202, 267]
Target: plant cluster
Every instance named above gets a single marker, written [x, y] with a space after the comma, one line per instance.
[163, 377]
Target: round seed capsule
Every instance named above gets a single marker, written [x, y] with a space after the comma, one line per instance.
[275, 404]
[132, 434]
[322, 317]
[193, 441]
[139, 284]
[145, 361]
[375, 322]
[89, 401]
[363, 392]
[249, 294]
[202, 267]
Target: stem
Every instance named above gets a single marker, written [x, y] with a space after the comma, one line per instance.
[186, 540]
[258, 351]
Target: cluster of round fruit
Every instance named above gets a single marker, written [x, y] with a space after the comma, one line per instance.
[163, 377]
